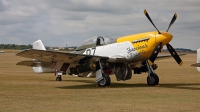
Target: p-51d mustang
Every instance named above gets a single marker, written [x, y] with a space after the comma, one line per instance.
[102, 56]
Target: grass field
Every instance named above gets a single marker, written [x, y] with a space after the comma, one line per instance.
[23, 90]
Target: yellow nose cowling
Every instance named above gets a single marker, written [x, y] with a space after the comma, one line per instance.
[164, 37]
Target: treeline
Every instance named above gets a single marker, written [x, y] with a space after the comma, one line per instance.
[16, 47]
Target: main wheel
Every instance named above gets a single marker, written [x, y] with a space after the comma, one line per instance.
[105, 81]
[153, 79]
[58, 79]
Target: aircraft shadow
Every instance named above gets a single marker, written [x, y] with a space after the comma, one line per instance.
[82, 80]
[189, 86]
[92, 85]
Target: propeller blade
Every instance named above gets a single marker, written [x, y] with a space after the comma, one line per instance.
[174, 54]
[147, 15]
[155, 53]
[172, 21]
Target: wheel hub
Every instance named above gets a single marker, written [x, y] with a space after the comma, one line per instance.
[151, 80]
[102, 81]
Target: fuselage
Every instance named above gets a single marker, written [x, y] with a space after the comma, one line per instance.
[134, 47]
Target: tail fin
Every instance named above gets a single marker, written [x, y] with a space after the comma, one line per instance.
[38, 45]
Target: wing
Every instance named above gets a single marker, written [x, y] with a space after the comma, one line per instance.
[32, 63]
[53, 56]
[196, 65]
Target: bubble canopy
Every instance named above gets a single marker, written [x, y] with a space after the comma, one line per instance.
[96, 41]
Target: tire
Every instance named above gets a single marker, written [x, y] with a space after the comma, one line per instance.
[129, 74]
[58, 79]
[105, 81]
[154, 80]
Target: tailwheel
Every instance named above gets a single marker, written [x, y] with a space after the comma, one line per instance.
[105, 81]
[59, 78]
[153, 79]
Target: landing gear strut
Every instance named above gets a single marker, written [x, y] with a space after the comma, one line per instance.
[152, 78]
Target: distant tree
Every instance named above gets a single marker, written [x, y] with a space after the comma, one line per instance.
[13, 46]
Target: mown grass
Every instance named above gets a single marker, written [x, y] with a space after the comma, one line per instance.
[23, 90]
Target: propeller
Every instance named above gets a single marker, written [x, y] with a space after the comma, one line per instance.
[147, 15]
[172, 21]
[169, 47]
[174, 54]
[155, 53]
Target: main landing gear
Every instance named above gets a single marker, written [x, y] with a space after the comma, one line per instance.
[152, 78]
[102, 79]
[105, 81]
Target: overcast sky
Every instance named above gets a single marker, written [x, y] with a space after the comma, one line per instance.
[61, 22]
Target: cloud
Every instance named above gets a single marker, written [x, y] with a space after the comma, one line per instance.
[62, 22]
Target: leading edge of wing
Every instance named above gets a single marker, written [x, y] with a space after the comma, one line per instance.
[49, 56]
